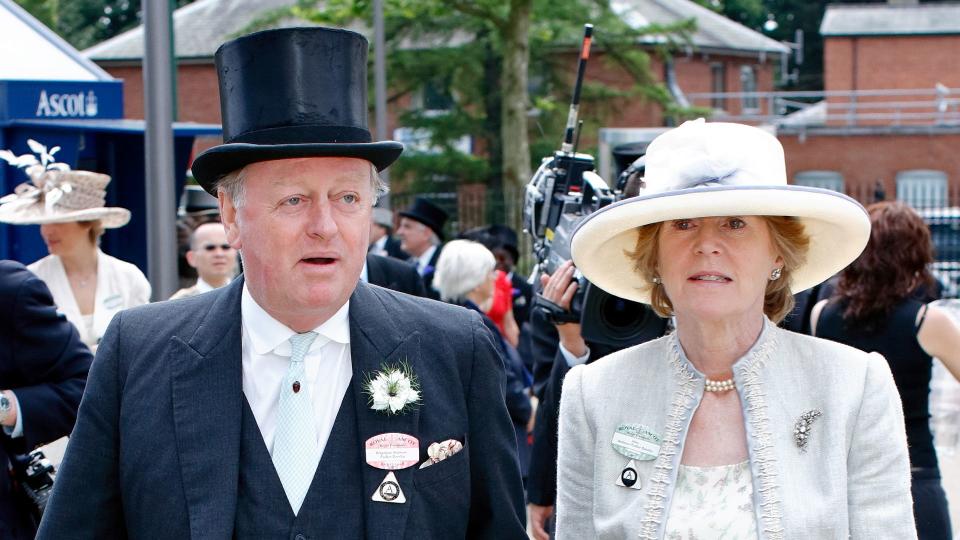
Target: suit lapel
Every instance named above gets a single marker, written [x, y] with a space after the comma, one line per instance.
[206, 377]
[375, 339]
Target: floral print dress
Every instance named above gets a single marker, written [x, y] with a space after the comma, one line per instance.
[712, 503]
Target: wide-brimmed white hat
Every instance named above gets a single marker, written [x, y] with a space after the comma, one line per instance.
[56, 194]
[705, 169]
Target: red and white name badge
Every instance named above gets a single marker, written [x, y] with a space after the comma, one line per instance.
[392, 451]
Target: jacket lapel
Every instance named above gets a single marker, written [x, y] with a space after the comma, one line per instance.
[206, 377]
[375, 339]
[375, 273]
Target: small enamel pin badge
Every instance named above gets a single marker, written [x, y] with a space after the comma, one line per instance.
[803, 426]
[629, 478]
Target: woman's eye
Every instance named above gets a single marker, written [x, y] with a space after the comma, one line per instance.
[683, 224]
[737, 223]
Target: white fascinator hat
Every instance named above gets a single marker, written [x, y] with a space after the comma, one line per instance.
[56, 194]
[705, 169]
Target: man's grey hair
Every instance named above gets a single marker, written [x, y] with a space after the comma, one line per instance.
[434, 239]
[231, 184]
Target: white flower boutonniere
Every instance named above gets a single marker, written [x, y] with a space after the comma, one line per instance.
[392, 390]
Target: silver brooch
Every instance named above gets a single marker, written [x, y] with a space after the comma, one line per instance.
[801, 429]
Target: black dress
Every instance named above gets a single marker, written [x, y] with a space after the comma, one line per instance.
[895, 338]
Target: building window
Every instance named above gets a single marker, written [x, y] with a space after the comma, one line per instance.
[436, 96]
[718, 85]
[748, 83]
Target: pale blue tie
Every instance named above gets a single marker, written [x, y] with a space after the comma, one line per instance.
[295, 450]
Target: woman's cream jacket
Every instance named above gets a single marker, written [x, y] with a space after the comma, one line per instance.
[851, 481]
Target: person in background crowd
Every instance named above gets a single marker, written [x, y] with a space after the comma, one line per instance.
[213, 257]
[465, 277]
[393, 274]
[381, 240]
[729, 426]
[499, 306]
[421, 235]
[196, 208]
[43, 369]
[875, 307]
[88, 285]
[244, 412]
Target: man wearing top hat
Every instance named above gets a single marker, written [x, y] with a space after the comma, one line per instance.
[295, 402]
[421, 235]
[382, 241]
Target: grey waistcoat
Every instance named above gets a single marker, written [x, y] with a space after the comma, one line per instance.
[333, 507]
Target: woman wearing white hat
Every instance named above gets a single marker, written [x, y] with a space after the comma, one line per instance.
[730, 427]
[88, 286]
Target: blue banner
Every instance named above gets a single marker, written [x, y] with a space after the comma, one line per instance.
[47, 100]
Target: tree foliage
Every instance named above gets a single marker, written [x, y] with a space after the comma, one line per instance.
[84, 23]
[466, 48]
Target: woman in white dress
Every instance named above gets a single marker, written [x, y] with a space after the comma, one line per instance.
[730, 427]
[88, 286]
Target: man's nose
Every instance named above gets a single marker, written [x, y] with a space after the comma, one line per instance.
[321, 222]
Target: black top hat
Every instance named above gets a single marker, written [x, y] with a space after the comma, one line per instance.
[292, 92]
[427, 213]
[506, 238]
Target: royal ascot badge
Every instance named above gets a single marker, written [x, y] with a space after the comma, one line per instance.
[394, 389]
[389, 491]
[629, 477]
[636, 441]
[392, 451]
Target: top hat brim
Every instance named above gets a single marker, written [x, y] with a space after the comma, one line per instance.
[220, 160]
[603, 243]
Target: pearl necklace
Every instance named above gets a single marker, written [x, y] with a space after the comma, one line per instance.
[719, 386]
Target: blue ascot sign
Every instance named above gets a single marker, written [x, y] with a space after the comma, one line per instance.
[60, 100]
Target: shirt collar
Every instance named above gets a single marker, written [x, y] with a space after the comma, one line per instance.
[270, 335]
[364, 274]
[424, 259]
[203, 286]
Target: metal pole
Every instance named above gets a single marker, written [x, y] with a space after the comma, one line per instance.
[158, 98]
[380, 85]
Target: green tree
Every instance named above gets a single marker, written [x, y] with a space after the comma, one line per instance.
[84, 23]
[501, 70]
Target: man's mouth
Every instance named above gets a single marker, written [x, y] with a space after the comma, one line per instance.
[319, 260]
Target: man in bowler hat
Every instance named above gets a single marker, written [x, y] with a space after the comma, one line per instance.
[421, 235]
[297, 401]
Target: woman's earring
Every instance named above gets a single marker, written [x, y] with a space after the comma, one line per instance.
[775, 274]
[656, 279]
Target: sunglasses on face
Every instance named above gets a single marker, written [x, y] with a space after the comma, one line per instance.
[211, 247]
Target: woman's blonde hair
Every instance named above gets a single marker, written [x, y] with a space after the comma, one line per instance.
[790, 241]
[95, 231]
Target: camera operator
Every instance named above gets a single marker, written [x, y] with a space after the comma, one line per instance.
[556, 349]
[43, 371]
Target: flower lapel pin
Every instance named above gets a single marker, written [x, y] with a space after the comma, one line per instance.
[802, 428]
[393, 390]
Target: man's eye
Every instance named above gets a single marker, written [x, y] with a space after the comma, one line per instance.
[293, 201]
[350, 198]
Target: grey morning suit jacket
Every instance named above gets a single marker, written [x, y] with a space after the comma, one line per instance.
[155, 450]
[853, 479]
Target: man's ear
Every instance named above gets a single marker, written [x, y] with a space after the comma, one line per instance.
[192, 259]
[228, 216]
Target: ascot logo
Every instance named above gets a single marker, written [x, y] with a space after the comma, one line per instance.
[67, 105]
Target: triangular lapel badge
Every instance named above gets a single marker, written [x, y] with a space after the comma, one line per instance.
[628, 477]
[389, 491]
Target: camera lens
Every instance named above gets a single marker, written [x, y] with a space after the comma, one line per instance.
[621, 315]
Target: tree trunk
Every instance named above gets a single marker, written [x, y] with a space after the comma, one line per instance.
[513, 127]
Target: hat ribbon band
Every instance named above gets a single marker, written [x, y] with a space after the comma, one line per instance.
[27, 194]
[305, 134]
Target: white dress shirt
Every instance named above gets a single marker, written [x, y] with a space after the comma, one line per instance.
[202, 286]
[424, 259]
[379, 246]
[266, 359]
